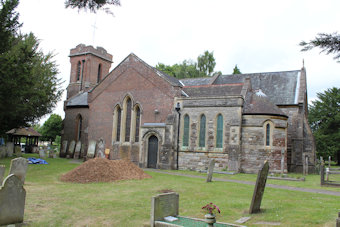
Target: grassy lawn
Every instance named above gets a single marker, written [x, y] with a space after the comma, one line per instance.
[50, 202]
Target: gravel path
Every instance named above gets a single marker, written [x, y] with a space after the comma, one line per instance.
[320, 191]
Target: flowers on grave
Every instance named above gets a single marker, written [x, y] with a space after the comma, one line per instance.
[211, 208]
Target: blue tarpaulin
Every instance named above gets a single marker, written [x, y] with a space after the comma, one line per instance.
[36, 161]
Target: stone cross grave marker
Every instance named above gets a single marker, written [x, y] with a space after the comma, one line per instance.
[210, 170]
[12, 201]
[92, 149]
[2, 173]
[259, 188]
[19, 168]
[77, 150]
[164, 205]
[71, 148]
[64, 148]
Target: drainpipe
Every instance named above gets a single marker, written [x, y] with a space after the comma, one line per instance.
[82, 73]
[178, 108]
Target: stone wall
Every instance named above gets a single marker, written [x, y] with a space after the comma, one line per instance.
[254, 149]
[200, 160]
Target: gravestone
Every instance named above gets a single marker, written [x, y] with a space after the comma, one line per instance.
[71, 148]
[210, 170]
[3, 151]
[9, 149]
[17, 151]
[338, 220]
[77, 150]
[63, 149]
[2, 173]
[164, 205]
[19, 168]
[42, 153]
[259, 188]
[51, 153]
[282, 162]
[12, 201]
[100, 149]
[92, 149]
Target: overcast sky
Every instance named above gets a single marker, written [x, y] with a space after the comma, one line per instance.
[258, 36]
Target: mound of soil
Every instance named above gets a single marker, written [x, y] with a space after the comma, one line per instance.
[104, 170]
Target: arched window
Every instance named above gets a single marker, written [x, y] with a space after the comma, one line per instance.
[202, 131]
[99, 75]
[267, 134]
[78, 70]
[79, 123]
[186, 131]
[118, 122]
[128, 119]
[137, 122]
[219, 131]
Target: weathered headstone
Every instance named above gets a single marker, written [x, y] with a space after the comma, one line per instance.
[164, 205]
[259, 188]
[77, 150]
[92, 149]
[338, 220]
[100, 149]
[210, 170]
[305, 165]
[3, 152]
[10, 148]
[42, 153]
[322, 173]
[63, 148]
[12, 201]
[17, 151]
[2, 173]
[329, 161]
[19, 168]
[71, 148]
[51, 153]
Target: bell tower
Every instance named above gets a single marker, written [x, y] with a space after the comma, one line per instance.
[89, 66]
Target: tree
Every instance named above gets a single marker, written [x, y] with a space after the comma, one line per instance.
[324, 119]
[92, 5]
[29, 87]
[206, 63]
[236, 70]
[191, 69]
[52, 128]
[328, 43]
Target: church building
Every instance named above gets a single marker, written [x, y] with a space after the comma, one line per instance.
[139, 113]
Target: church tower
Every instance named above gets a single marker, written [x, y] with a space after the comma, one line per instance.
[89, 66]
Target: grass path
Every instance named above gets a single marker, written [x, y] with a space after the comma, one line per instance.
[321, 191]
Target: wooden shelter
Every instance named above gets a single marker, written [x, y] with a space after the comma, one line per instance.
[32, 137]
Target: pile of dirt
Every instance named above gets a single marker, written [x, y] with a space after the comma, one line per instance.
[104, 170]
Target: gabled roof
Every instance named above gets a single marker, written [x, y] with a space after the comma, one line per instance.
[78, 100]
[282, 88]
[258, 103]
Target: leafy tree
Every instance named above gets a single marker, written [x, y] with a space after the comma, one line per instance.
[191, 69]
[206, 63]
[52, 128]
[324, 118]
[29, 87]
[92, 5]
[236, 70]
[328, 43]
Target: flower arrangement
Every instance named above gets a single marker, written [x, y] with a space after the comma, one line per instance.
[211, 208]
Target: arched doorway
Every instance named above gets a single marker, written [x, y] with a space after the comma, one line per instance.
[152, 151]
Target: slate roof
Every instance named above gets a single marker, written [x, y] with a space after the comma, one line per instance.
[280, 87]
[213, 90]
[24, 131]
[78, 100]
[196, 81]
[258, 103]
